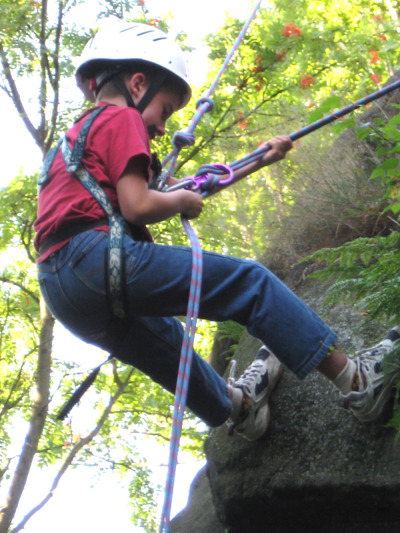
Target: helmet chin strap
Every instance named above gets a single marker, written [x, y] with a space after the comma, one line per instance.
[152, 130]
[119, 84]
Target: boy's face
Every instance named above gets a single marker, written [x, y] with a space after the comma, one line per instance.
[159, 110]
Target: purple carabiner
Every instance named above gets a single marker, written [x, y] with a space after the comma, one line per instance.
[229, 171]
[199, 180]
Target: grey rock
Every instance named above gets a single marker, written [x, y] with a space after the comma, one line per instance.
[199, 516]
[317, 469]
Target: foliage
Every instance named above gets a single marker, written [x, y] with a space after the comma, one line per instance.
[295, 64]
[366, 271]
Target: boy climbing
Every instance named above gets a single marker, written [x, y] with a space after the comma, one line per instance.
[105, 280]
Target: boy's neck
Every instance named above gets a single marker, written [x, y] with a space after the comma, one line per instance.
[113, 100]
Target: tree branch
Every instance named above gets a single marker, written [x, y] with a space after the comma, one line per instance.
[29, 293]
[74, 452]
[36, 424]
[16, 98]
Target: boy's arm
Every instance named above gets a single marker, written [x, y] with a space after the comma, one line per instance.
[141, 205]
[280, 145]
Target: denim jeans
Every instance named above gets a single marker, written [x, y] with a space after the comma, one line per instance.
[73, 285]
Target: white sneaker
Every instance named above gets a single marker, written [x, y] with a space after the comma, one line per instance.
[375, 390]
[256, 383]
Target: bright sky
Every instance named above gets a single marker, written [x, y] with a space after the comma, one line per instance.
[101, 505]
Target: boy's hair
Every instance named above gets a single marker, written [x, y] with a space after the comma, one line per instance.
[110, 88]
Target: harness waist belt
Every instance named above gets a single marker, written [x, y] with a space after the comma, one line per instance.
[71, 232]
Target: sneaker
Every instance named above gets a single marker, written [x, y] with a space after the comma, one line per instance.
[256, 384]
[374, 391]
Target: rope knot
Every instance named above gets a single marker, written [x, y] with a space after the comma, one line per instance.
[183, 138]
[207, 101]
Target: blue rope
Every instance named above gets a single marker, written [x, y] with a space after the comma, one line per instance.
[260, 152]
[181, 139]
[182, 384]
[205, 104]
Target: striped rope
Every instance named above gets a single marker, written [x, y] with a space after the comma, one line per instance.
[205, 103]
[182, 384]
[183, 138]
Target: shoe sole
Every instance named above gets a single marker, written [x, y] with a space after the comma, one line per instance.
[264, 410]
[380, 402]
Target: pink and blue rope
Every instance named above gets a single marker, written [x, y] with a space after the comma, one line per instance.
[185, 363]
[205, 104]
[181, 139]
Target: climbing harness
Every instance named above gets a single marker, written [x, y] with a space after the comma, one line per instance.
[115, 250]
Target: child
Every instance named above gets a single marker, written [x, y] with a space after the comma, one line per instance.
[137, 79]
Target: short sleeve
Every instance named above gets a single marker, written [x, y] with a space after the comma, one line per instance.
[119, 137]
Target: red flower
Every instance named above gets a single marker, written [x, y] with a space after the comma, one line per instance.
[382, 37]
[307, 80]
[290, 30]
[376, 78]
[243, 122]
[374, 56]
[141, 2]
[281, 55]
[257, 69]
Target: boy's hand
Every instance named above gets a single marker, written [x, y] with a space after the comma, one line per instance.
[280, 145]
[191, 203]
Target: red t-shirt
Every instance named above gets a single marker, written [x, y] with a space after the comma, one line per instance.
[116, 135]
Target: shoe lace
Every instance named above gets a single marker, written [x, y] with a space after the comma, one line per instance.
[376, 353]
[247, 377]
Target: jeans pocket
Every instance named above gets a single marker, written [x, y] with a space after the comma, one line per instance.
[88, 265]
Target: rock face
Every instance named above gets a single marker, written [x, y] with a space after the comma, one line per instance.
[317, 470]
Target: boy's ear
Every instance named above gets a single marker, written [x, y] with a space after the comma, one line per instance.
[137, 85]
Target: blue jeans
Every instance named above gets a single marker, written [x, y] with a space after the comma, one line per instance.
[73, 285]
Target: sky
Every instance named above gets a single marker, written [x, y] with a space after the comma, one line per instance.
[83, 502]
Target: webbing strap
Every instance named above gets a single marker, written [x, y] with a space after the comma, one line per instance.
[44, 174]
[115, 234]
[73, 161]
[78, 149]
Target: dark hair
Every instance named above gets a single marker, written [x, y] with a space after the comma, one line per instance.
[124, 71]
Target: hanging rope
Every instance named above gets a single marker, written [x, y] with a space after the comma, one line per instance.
[182, 384]
[205, 104]
[181, 139]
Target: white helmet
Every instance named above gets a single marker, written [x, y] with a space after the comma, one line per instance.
[114, 47]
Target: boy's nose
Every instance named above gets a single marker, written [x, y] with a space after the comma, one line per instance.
[161, 129]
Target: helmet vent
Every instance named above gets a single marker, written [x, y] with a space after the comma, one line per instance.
[144, 33]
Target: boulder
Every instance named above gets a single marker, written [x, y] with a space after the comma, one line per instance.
[317, 470]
